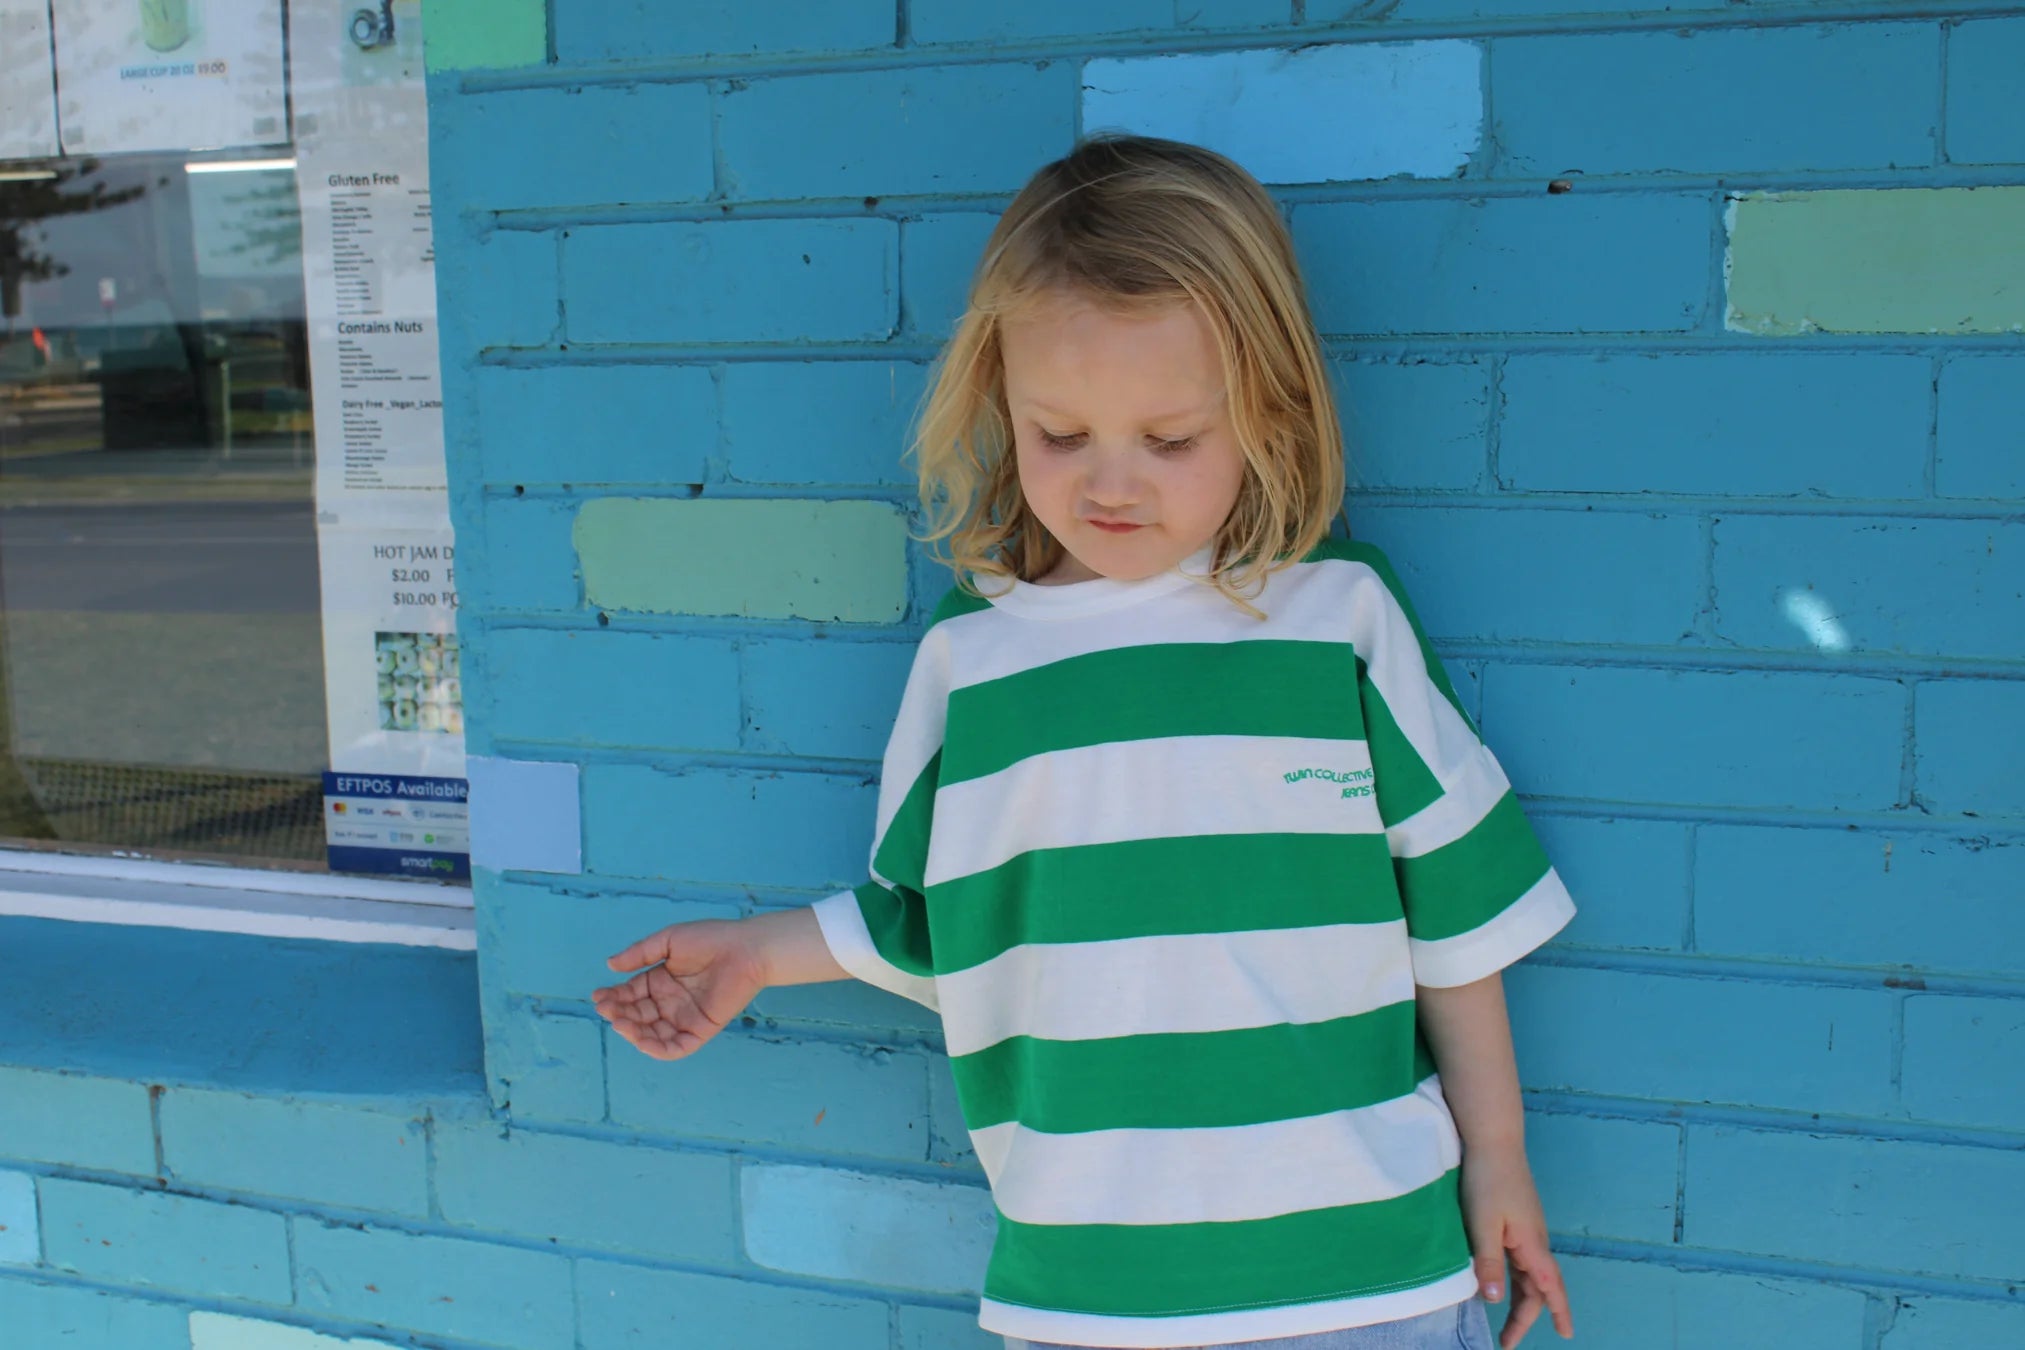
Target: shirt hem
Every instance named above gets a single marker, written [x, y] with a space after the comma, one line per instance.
[850, 942]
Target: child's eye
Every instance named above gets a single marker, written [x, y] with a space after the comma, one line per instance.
[1174, 447]
[1049, 438]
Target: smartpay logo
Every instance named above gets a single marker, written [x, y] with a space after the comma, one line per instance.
[1354, 782]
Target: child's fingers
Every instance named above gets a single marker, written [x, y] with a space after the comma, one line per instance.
[1525, 1309]
[1487, 1248]
[1542, 1275]
[648, 951]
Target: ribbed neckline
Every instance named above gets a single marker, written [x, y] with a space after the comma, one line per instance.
[1096, 596]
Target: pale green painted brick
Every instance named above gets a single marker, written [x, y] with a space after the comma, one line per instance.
[218, 1331]
[843, 560]
[1916, 260]
[485, 34]
[75, 1120]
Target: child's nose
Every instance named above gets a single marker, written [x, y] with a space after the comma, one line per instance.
[1113, 481]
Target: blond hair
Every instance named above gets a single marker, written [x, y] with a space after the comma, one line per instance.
[1135, 223]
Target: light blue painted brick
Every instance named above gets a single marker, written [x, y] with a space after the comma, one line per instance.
[591, 1193]
[1639, 1304]
[938, 256]
[441, 1286]
[552, 1068]
[593, 146]
[921, 129]
[1677, 1039]
[1951, 1324]
[847, 1003]
[526, 814]
[1729, 424]
[1233, 13]
[1827, 742]
[932, 1236]
[931, 21]
[732, 281]
[1629, 879]
[20, 1235]
[1639, 102]
[601, 687]
[823, 698]
[948, 1136]
[1861, 899]
[160, 1241]
[814, 1095]
[1984, 58]
[1447, 266]
[221, 1331]
[626, 1308]
[1840, 584]
[627, 30]
[506, 283]
[1399, 109]
[830, 422]
[1895, 1204]
[940, 1329]
[529, 561]
[1545, 576]
[1413, 424]
[793, 829]
[1956, 1053]
[340, 1155]
[1605, 1178]
[99, 1123]
[1966, 746]
[605, 425]
[548, 945]
[64, 1317]
[1981, 433]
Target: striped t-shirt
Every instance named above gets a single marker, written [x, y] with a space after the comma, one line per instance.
[1170, 874]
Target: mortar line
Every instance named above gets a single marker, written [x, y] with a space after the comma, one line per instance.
[1930, 477]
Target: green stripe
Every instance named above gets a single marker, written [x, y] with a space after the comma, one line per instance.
[1153, 1270]
[1465, 884]
[898, 923]
[1403, 781]
[1161, 887]
[1261, 688]
[902, 855]
[1196, 1079]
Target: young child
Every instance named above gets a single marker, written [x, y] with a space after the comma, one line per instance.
[1182, 828]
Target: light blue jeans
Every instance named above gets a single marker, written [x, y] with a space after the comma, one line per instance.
[1466, 1326]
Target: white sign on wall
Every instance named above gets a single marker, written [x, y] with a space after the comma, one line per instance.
[27, 81]
[169, 74]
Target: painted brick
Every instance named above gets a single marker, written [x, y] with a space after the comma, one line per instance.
[1726, 423]
[1605, 1178]
[1646, 1303]
[626, 1308]
[1677, 1039]
[1400, 109]
[1413, 424]
[948, 1135]
[732, 281]
[830, 699]
[1956, 1050]
[221, 1331]
[1859, 899]
[922, 129]
[1544, 576]
[1964, 759]
[163, 1241]
[626, 30]
[796, 829]
[797, 1094]
[822, 560]
[1984, 58]
[962, 21]
[1233, 13]
[20, 1234]
[340, 1155]
[940, 1329]
[594, 424]
[592, 146]
[1445, 266]
[486, 34]
[528, 563]
[526, 814]
[851, 1004]
[507, 285]
[1629, 879]
[588, 1193]
[552, 1068]
[1886, 1204]
[1828, 742]
[600, 687]
[38, 1315]
[1950, 1324]
[1842, 584]
[832, 422]
[547, 945]
[1639, 102]
[437, 1285]
[1981, 433]
[65, 1118]
[931, 1236]
[1909, 260]
[938, 256]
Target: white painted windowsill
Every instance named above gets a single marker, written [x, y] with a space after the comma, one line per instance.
[234, 900]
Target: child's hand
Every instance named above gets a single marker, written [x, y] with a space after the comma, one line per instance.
[699, 976]
[1502, 1210]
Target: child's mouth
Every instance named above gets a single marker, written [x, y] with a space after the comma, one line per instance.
[1116, 527]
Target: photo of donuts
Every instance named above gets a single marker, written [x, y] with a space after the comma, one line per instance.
[421, 684]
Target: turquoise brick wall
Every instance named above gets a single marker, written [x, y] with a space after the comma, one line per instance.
[1682, 351]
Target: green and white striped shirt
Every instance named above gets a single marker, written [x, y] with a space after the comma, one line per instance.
[1170, 875]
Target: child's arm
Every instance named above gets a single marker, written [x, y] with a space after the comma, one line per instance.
[1471, 1037]
[698, 976]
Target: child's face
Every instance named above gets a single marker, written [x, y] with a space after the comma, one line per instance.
[1122, 430]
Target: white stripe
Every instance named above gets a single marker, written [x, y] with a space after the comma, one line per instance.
[1461, 807]
[1152, 789]
[1491, 946]
[1225, 1174]
[917, 728]
[850, 942]
[1084, 991]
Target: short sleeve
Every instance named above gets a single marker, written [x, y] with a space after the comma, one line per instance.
[1478, 890]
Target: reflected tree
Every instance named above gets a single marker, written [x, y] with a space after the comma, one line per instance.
[25, 203]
